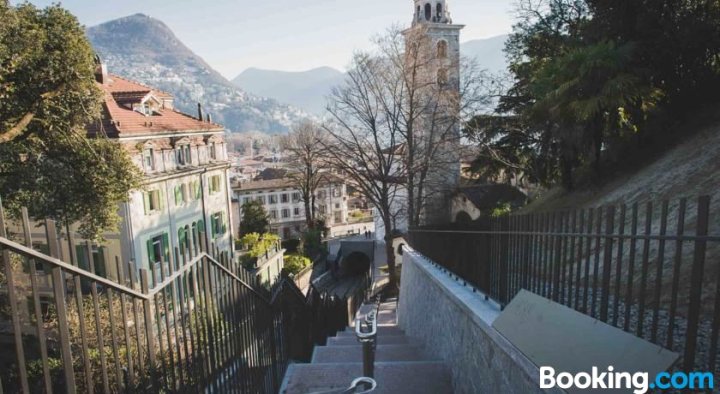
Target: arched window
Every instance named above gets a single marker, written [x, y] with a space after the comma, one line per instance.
[419, 13]
[439, 10]
[442, 47]
[442, 77]
[428, 11]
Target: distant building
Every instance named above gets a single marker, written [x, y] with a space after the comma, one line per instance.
[185, 194]
[285, 207]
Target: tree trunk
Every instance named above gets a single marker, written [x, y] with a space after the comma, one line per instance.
[566, 173]
[390, 252]
[308, 214]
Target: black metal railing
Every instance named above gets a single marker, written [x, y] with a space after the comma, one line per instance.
[199, 323]
[650, 270]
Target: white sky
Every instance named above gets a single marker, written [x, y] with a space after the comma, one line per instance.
[291, 35]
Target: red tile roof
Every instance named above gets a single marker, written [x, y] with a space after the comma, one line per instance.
[118, 120]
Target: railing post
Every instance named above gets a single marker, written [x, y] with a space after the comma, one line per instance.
[12, 298]
[149, 324]
[607, 262]
[696, 279]
[58, 278]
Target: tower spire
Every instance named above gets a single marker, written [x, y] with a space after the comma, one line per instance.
[431, 11]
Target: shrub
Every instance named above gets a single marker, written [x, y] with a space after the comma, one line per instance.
[295, 263]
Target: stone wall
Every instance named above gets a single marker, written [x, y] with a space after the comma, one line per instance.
[455, 324]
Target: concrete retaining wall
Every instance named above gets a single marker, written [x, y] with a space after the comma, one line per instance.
[454, 324]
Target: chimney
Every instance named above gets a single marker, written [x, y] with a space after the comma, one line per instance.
[200, 114]
[208, 117]
[101, 74]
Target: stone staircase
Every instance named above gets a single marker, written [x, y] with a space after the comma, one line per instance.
[401, 365]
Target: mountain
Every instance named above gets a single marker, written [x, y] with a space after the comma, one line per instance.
[146, 50]
[488, 52]
[306, 89]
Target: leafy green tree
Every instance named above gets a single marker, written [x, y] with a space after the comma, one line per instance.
[254, 218]
[48, 96]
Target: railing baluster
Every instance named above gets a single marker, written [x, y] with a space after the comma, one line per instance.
[696, 281]
[12, 298]
[588, 251]
[618, 266]
[58, 279]
[596, 261]
[126, 329]
[644, 272]
[659, 272]
[98, 325]
[680, 230]
[607, 262]
[113, 334]
[37, 308]
[631, 267]
[81, 315]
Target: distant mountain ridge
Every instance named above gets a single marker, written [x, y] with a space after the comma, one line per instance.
[145, 49]
[308, 89]
[303, 89]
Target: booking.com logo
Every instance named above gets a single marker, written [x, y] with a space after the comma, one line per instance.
[639, 381]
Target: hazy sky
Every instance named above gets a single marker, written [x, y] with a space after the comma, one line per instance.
[293, 35]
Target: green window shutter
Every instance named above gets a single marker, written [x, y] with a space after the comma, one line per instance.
[146, 202]
[224, 223]
[212, 226]
[161, 199]
[166, 246]
[178, 195]
[81, 252]
[151, 252]
[100, 262]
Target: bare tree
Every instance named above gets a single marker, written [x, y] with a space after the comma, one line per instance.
[436, 96]
[304, 146]
[363, 138]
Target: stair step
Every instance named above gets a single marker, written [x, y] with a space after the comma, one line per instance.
[381, 340]
[349, 354]
[381, 330]
[417, 377]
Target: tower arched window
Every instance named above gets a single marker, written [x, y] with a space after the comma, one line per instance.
[439, 9]
[442, 77]
[428, 11]
[442, 49]
[419, 13]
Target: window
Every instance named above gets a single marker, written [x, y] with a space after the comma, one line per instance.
[296, 197]
[442, 47]
[183, 235]
[182, 194]
[442, 77]
[337, 205]
[182, 154]
[284, 198]
[322, 209]
[152, 200]
[98, 259]
[211, 151]
[273, 198]
[149, 159]
[246, 200]
[296, 211]
[214, 184]
[338, 217]
[428, 11]
[285, 213]
[419, 13]
[158, 249]
[261, 199]
[273, 214]
[321, 194]
[196, 190]
[217, 224]
[337, 192]
[439, 11]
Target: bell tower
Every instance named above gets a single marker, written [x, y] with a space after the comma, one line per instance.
[433, 47]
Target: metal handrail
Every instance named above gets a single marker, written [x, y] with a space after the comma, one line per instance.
[366, 384]
[368, 339]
